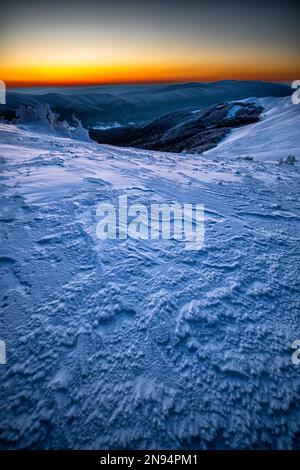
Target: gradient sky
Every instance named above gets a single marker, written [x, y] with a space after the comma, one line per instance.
[129, 41]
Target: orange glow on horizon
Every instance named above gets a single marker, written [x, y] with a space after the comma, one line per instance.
[49, 63]
[53, 62]
[47, 67]
[35, 76]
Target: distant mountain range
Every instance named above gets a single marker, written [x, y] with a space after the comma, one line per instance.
[103, 105]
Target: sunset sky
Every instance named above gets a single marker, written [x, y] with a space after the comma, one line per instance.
[91, 42]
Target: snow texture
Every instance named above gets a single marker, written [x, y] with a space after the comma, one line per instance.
[142, 344]
[268, 139]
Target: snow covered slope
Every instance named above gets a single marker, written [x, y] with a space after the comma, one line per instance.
[142, 344]
[275, 136]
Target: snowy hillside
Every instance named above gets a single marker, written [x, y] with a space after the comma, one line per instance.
[142, 344]
[187, 130]
[269, 139]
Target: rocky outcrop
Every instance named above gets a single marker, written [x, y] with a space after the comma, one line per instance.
[184, 130]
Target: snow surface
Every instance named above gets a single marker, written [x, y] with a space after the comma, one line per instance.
[142, 344]
[268, 139]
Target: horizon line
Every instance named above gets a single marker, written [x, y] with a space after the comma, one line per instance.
[10, 84]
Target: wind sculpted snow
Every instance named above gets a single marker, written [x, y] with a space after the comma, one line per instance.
[142, 344]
